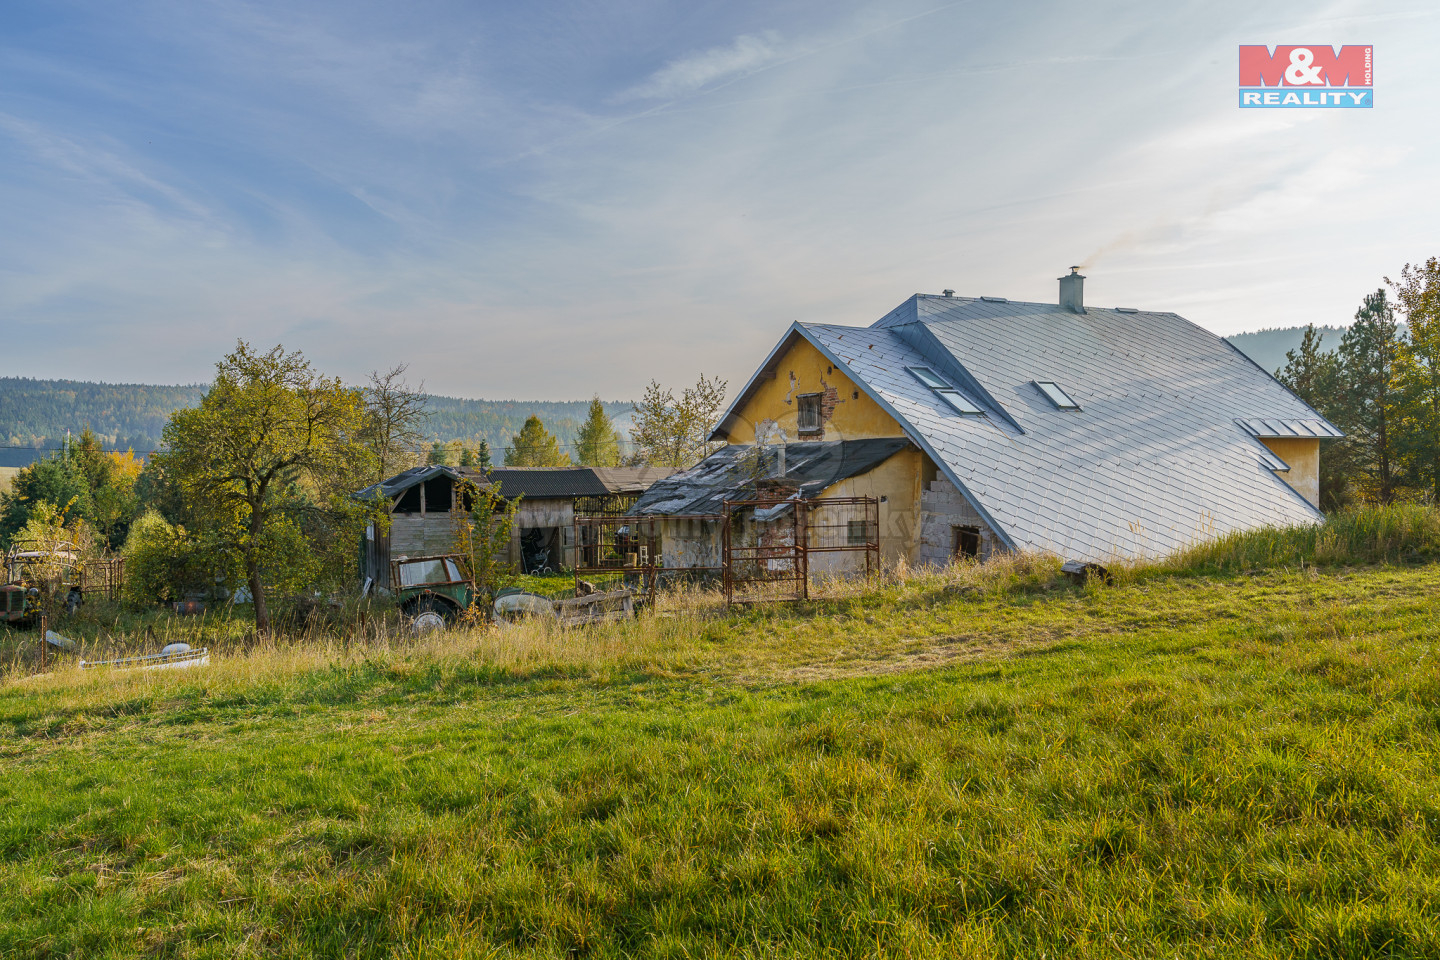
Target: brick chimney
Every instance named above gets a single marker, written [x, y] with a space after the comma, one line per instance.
[1072, 291]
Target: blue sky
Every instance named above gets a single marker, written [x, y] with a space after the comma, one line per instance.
[553, 200]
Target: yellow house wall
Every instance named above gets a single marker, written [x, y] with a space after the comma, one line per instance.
[898, 481]
[1303, 455]
[803, 369]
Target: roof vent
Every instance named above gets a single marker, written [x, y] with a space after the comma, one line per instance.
[995, 299]
[1126, 310]
[947, 293]
[1072, 291]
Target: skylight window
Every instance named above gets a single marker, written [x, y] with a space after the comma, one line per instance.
[930, 378]
[959, 403]
[956, 400]
[1059, 397]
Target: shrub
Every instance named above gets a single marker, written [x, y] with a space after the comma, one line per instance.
[162, 562]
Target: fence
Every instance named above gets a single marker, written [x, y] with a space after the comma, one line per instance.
[773, 547]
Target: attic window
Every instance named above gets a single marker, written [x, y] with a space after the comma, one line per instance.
[1059, 397]
[956, 400]
[809, 413]
[930, 378]
[959, 403]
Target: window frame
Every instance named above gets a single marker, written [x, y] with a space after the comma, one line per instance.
[818, 426]
[1070, 402]
[950, 395]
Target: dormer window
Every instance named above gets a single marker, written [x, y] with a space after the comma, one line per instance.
[1059, 397]
[956, 400]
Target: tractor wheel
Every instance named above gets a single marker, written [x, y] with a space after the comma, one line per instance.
[429, 616]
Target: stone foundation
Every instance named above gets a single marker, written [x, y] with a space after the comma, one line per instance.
[942, 509]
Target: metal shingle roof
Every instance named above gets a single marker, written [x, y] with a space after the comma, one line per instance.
[1156, 458]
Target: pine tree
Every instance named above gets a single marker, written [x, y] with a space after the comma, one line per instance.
[533, 446]
[1368, 406]
[482, 455]
[598, 443]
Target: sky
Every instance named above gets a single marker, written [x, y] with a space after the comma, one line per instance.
[554, 200]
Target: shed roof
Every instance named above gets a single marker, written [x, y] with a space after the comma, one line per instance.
[406, 479]
[1160, 454]
[730, 473]
[563, 483]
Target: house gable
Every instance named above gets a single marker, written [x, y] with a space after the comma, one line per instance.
[797, 374]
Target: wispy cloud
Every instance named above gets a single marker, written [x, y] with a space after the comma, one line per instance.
[694, 71]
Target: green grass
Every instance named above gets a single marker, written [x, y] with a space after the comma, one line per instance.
[986, 762]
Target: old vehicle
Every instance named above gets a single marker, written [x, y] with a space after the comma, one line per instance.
[432, 591]
[44, 570]
[19, 604]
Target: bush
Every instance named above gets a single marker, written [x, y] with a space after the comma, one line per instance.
[162, 563]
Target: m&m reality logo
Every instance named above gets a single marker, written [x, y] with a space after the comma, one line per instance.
[1307, 76]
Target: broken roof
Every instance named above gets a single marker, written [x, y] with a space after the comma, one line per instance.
[1162, 452]
[730, 473]
[404, 480]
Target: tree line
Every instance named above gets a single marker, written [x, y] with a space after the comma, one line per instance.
[1382, 387]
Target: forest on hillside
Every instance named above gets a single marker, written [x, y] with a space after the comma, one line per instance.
[36, 414]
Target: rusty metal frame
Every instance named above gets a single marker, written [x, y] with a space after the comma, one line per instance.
[795, 555]
[603, 552]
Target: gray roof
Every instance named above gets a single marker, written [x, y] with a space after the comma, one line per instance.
[564, 483]
[1157, 457]
[731, 472]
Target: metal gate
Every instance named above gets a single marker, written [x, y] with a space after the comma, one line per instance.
[771, 547]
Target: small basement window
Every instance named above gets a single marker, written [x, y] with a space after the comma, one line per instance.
[1059, 397]
[857, 533]
[809, 407]
[966, 542]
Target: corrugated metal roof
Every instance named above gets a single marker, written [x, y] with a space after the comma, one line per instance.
[731, 472]
[1153, 460]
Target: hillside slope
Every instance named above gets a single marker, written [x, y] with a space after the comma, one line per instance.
[37, 414]
[1237, 766]
[1268, 347]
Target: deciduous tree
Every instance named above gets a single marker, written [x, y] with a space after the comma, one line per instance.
[1418, 294]
[674, 433]
[394, 415]
[271, 447]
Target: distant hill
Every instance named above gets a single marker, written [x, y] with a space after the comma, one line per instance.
[35, 415]
[1268, 347]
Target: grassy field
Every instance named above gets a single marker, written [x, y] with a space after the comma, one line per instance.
[1199, 761]
[6, 475]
